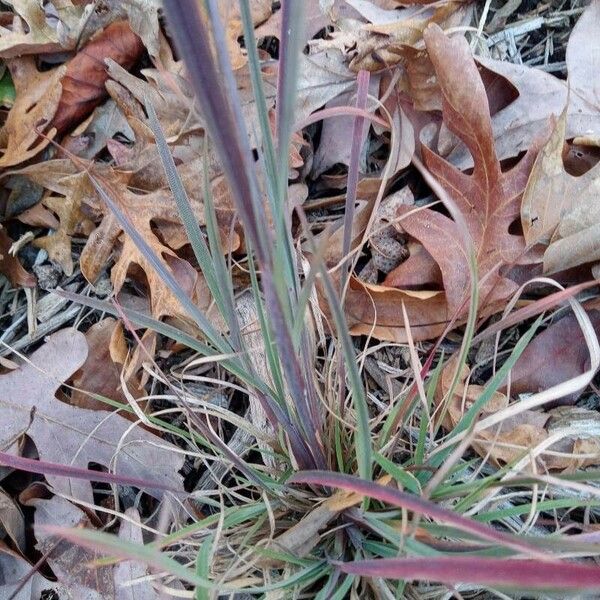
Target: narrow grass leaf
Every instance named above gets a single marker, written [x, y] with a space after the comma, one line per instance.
[353, 169]
[192, 229]
[413, 503]
[43, 467]
[520, 574]
[166, 276]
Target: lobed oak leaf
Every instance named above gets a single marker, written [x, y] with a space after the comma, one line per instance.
[71, 221]
[101, 372]
[488, 198]
[518, 435]
[45, 32]
[70, 563]
[147, 212]
[73, 566]
[51, 102]
[74, 436]
[37, 98]
[230, 15]
[381, 43]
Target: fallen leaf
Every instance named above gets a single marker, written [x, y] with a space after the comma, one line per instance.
[143, 17]
[560, 211]
[71, 564]
[10, 265]
[542, 96]
[12, 523]
[37, 97]
[230, 15]
[14, 568]
[519, 435]
[74, 436]
[145, 211]
[315, 20]
[101, 372]
[557, 354]
[52, 101]
[71, 221]
[334, 147]
[128, 571]
[488, 198]
[42, 34]
[380, 44]
[83, 81]
[90, 138]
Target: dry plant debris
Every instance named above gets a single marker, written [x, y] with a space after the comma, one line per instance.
[481, 134]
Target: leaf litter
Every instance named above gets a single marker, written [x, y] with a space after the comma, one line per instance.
[488, 116]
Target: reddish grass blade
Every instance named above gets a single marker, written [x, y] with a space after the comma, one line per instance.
[42, 467]
[225, 126]
[522, 574]
[357, 142]
[415, 504]
[534, 309]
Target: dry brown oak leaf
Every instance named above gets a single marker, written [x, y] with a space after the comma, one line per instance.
[148, 212]
[37, 98]
[574, 430]
[542, 95]
[53, 101]
[488, 199]
[73, 566]
[382, 42]
[44, 33]
[74, 436]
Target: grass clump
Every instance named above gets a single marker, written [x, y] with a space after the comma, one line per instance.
[321, 492]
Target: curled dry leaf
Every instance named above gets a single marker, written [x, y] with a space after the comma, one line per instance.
[147, 212]
[101, 372]
[381, 43]
[74, 436]
[10, 265]
[71, 222]
[52, 101]
[44, 32]
[575, 430]
[560, 211]
[143, 17]
[154, 214]
[83, 81]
